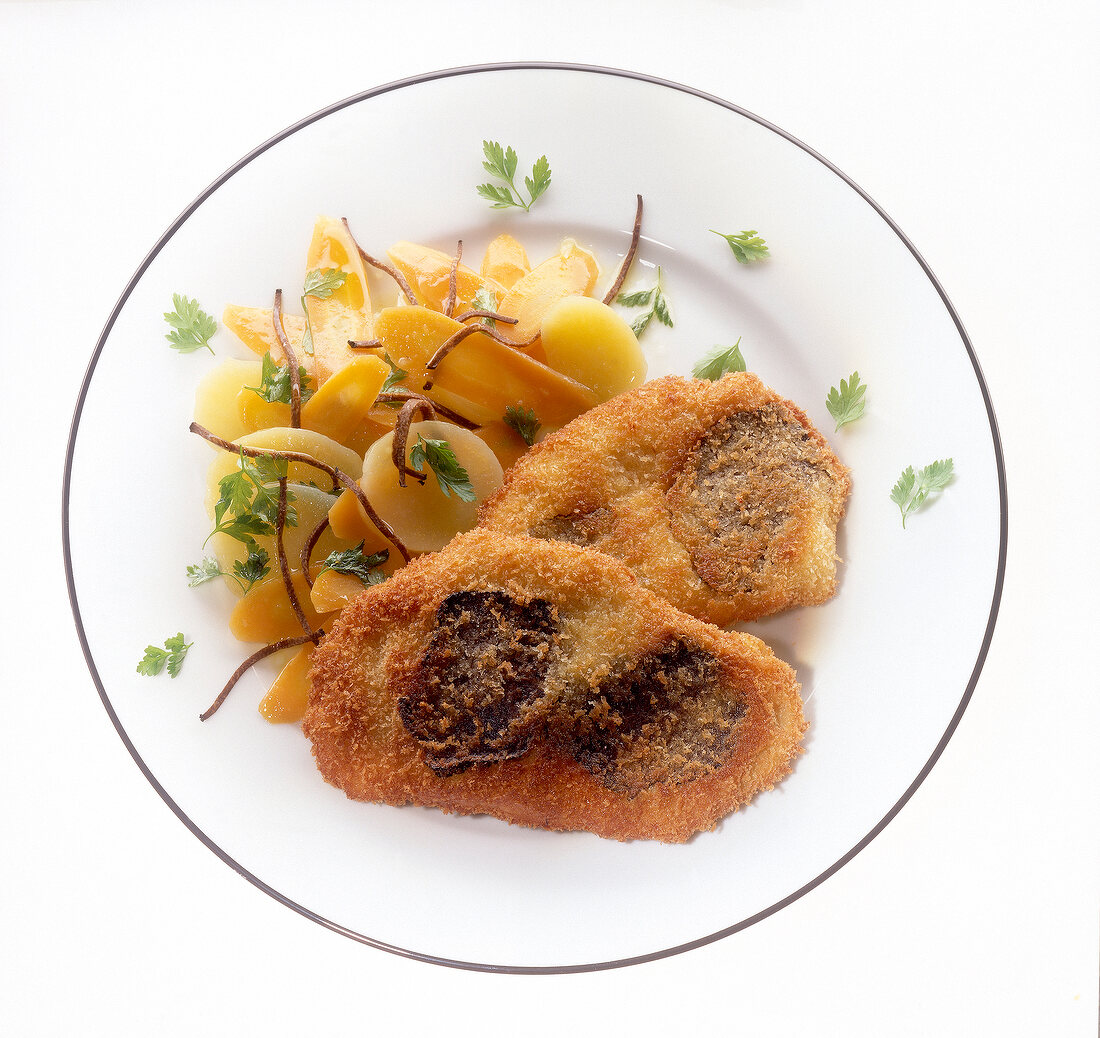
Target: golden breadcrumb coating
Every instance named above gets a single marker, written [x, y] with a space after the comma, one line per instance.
[720, 496]
[538, 682]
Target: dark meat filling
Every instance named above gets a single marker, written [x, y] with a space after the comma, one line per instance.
[484, 670]
[582, 528]
[658, 720]
[738, 491]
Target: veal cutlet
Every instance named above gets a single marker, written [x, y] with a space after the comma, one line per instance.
[720, 496]
[538, 682]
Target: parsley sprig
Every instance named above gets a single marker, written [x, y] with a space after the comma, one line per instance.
[501, 163]
[275, 382]
[654, 298]
[192, 328]
[395, 376]
[355, 563]
[439, 456]
[247, 571]
[720, 360]
[747, 247]
[913, 488]
[248, 501]
[846, 404]
[171, 657]
[320, 284]
[524, 421]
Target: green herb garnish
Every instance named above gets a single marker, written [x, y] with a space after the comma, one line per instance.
[248, 501]
[913, 488]
[524, 421]
[440, 458]
[846, 404]
[204, 571]
[720, 360]
[654, 298]
[275, 382]
[746, 246]
[501, 163]
[320, 284]
[486, 299]
[171, 657]
[191, 327]
[396, 374]
[356, 564]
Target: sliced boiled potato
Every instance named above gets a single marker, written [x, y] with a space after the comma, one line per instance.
[428, 272]
[301, 441]
[266, 615]
[311, 505]
[588, 341]
[346, 312]
[572, 272]
[286, 700]
[505, 261]
[216, 405]
[421, 514]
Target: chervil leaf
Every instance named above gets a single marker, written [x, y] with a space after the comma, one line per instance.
[275, 382]
[635, 298]
[524, 421]
[502, 163]
[539, 180]
[846, 403]
[654, 298]
[501, 197]
[204, 571]
[396, 374]
[746, 247]
[486, 299]
[719, 361]
[246, 527]
[177, 652]
[192, 329]
[440, 458]
[236, 491]
[152, 663]
[356, 564]
[660, 309]
[323, 282]
[253, 568]
[913, 489]
[171, 656]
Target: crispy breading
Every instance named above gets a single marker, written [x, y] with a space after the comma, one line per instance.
[720, 496]
[538, 682]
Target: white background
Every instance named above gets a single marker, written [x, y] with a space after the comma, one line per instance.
[972, 123]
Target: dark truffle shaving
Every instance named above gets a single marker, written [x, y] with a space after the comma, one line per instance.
[479, 681]
[741, 484]
[655, 721]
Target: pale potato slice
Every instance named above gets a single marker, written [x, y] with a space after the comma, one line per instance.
[216, 405]
[302, 441]
[420, 513]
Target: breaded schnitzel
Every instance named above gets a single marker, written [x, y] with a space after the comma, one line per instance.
[537, 682]
[719, 496]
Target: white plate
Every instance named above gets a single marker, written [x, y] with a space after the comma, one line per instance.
[887, 667]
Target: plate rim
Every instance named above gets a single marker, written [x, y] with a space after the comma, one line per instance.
[513, 66]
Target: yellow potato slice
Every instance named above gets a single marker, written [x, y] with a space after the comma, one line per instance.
[588, 341]
[285, 702]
